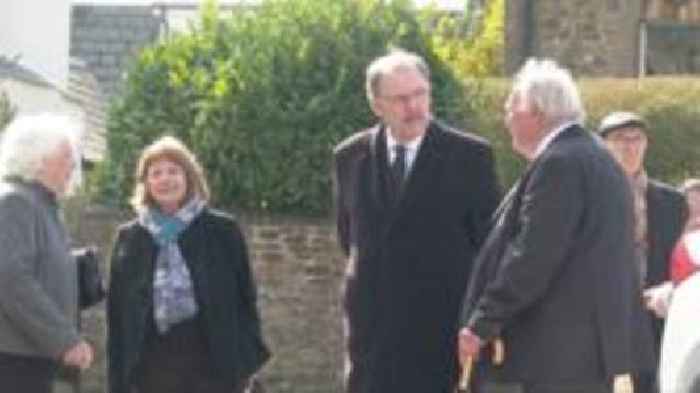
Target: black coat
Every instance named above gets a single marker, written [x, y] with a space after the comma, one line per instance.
[409, 261]
[667, 212]
[556, 278]
[215, 252]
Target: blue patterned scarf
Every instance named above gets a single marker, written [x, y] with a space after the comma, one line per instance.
[173, 294]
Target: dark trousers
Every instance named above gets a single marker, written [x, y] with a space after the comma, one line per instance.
[179, 362]
[645, 382]
[484, 381]
[587, 388]
[491, 387]
[26, 374]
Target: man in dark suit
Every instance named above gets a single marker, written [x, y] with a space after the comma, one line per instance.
[555, 279]
[660, 215]
[414, 199]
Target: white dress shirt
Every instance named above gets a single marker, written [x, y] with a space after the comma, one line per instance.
[411, 150]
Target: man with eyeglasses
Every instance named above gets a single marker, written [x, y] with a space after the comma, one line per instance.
[660, 213]
[413, 199]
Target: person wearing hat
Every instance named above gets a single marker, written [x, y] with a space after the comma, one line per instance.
[660, 215]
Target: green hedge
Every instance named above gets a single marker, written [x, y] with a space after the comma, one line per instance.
[7, 110]
[670, 105]
[262, 97]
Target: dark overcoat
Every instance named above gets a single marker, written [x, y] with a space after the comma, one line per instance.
[556, 278]
[409, 260]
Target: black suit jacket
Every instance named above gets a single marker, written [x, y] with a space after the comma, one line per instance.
[556, 278]
[667, 212]
[409, 261]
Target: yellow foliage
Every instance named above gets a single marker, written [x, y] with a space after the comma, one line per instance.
[479, 55]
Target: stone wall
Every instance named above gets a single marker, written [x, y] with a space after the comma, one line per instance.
[603, 37]
[299, 275]
[592, 37]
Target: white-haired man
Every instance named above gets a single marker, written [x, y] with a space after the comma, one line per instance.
[554, 280]
[414, 201]
[38, 278]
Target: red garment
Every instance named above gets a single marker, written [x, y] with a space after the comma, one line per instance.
[683, 261]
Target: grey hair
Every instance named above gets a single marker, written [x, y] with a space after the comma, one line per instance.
[396, 59]
[29, 139]
[550, 89]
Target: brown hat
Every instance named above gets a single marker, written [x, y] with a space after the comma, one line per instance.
[617, 120]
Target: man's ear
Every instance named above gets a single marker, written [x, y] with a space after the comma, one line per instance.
[376, 108]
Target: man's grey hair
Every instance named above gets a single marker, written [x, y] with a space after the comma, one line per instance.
[550, 89]
[396, 59]
[29, 139]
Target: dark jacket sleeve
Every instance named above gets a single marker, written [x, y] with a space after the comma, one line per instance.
[115, 355]
[548, 216]
[342, 217]
[667, 213]
[257, 352]
[246, 280]
[489, 195]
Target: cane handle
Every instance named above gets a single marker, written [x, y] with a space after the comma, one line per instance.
[466, 374]
[499, 352]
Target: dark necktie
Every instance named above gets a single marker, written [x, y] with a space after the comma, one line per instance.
[398, 168]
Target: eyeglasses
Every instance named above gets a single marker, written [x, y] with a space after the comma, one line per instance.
[419, 94]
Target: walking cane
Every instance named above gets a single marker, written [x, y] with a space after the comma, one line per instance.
[466, 376]
[497, 357]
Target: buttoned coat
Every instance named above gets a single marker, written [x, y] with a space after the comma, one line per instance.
[409, 256]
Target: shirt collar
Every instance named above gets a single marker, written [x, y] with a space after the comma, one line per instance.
[547, 140]
[410, 146]
[640, 181]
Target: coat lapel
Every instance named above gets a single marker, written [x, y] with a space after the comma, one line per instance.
[195, 257]
[656, 210]
[141, 274]
[423, 171]
[504, 207]
[377, 167]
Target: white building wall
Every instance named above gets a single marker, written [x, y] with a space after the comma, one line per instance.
[31, 99]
